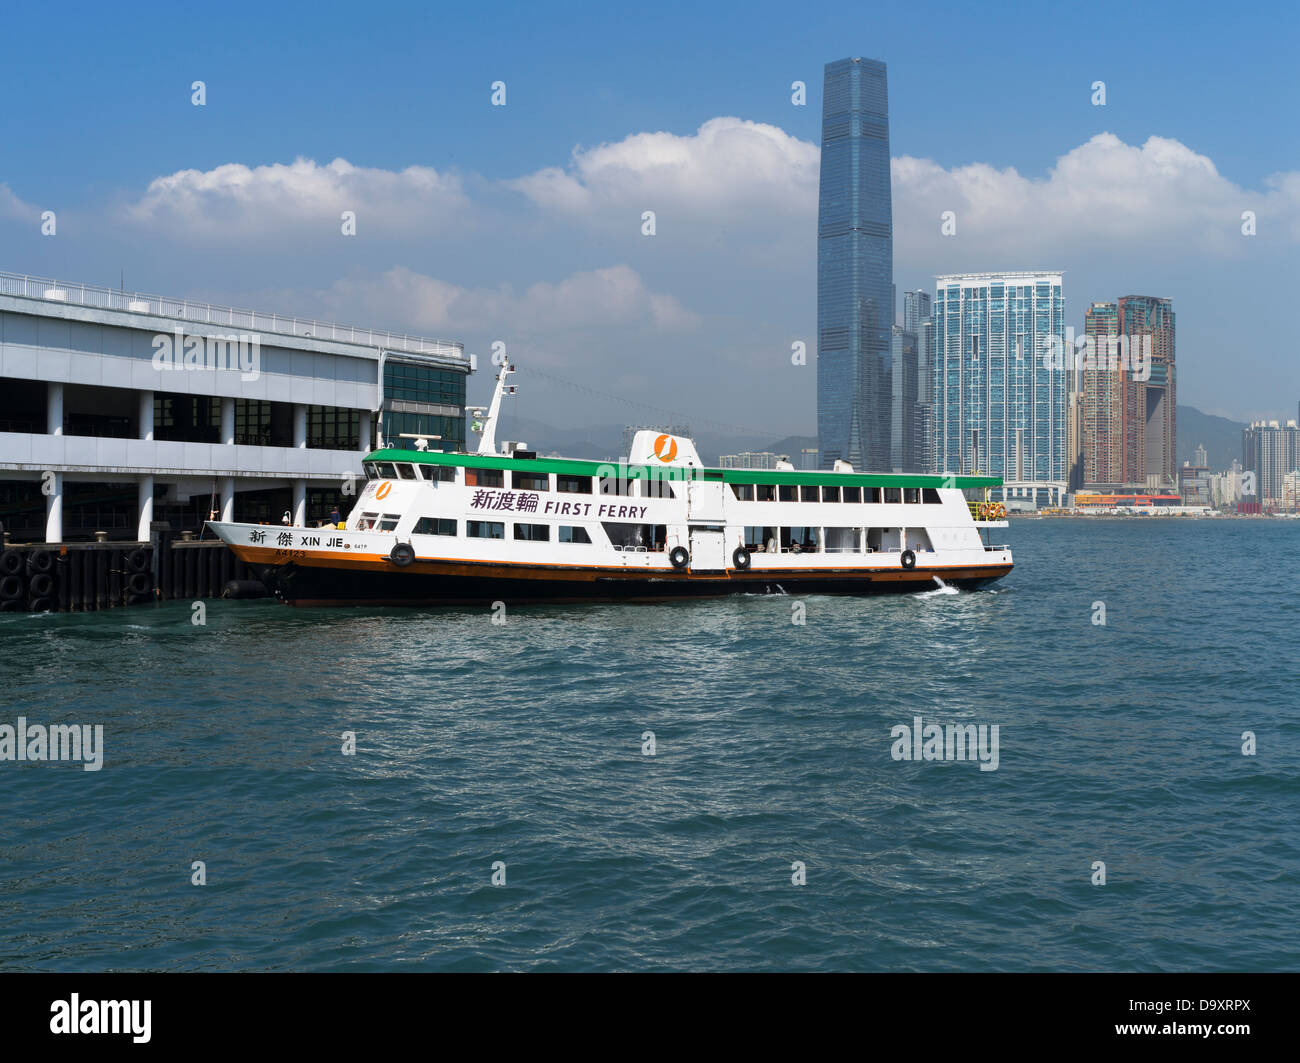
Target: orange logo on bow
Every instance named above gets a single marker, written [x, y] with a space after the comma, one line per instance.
[665, 448]
[382, 490]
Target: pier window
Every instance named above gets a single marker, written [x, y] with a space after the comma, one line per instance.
[333, 428]
[531, 481]
[435, 526]
[533, 533]
[484, 478]
[573, 535]
[893, 495]
[830, 494]
[852, 494]
[743, 492]
[573, 485]
[788, 493]
[485, 529]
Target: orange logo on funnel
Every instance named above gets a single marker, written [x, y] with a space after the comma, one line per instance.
[665, 448]
[383, 489]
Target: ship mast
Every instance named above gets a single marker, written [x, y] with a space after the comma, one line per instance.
[487, 428]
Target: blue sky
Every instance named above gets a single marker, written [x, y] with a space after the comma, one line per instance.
[502, 231]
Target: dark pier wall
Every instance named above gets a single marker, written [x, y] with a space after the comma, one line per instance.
[78, 577]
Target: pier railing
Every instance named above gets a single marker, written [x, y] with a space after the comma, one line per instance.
[26, 287]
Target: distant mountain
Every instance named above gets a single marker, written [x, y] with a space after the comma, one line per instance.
[1220, 437]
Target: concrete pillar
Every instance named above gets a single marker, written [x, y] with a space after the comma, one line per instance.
[54, 506]
[54, 413]
[367, 422]
[228, 422]
[146, 423]
[228, 499]
[146, 502]
[299, 425]
[300, 503]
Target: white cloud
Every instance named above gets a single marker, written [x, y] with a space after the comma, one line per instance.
[1162, 199]
[13, 207]
[234, 200]
[613, 298]
[728, 165]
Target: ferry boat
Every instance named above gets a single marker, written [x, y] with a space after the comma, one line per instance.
[433, 527]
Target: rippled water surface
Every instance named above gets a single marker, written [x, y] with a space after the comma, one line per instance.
[522, 743]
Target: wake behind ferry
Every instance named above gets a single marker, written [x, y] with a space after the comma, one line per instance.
[434, 527]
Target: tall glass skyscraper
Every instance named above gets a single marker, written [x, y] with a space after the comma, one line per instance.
[855, 268]
[999, 403]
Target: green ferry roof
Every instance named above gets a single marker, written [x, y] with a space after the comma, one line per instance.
[582, 467]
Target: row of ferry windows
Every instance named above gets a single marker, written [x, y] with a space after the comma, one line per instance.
[474, 529]
[789, 493]
[651, 488]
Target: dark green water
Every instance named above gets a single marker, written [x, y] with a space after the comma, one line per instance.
[522, 743]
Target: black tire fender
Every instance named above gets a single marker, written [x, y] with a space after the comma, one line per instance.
[909, 560]
[40, 561]
[741, 559]
[402, 554]
[41, 585]
[679, 557]
[11, 563]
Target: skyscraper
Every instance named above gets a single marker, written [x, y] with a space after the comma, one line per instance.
[1151, 456]
[998, 400]
[855, 267]
[1103, 402]
[1129, 395]
[916, 308]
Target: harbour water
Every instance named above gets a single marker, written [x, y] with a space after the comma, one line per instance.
[524, 743]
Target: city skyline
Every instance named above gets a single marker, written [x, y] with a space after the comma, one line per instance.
[240, 203]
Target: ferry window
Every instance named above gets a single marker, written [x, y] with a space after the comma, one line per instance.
[632, 536]
[573, 485]
[842, 540]
[485, 529]
[536, 533]
[435, 526]
[531, 481]
[443, 474]
[831, 494]
[367, 521]
[871, 494]
[798, 540]
[810, 494]
[930, 497]
[853, 494]
[789, 494]
[757, 540]
[484, 478]
[573, 535]
[912, 495]
[613, 485]
[893, 494]
[658, 487]
[743, 492]
[766, 492]
[388, 522]
[404, 471]
[385, 470]
[372, 470]
[421, 472]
